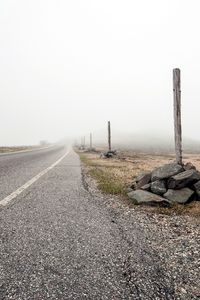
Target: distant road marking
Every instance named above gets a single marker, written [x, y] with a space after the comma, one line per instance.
[12, 196]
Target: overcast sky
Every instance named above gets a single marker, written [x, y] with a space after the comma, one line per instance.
[68, 66]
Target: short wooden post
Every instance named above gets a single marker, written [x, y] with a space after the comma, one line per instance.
[84, 142]
[109, 136]
[90, 141]
[177, 114]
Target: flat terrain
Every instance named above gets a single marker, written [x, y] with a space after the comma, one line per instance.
[61, 239]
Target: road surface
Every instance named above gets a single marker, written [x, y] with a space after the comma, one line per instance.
[58, 241]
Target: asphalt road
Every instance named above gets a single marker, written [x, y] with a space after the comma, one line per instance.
[58, 241]
[55, 243]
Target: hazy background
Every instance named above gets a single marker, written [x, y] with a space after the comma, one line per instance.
[68, 66]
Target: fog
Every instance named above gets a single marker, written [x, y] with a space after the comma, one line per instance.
[67, 67]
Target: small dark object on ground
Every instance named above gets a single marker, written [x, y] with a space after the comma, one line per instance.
[81, 148]
[109, 154]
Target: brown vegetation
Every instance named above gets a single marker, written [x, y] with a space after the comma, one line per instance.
[15, 149]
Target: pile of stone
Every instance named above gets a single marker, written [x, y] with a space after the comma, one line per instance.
[171, 183]
[108, 154]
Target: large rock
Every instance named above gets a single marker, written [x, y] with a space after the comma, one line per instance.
[179, 196]
[143, 179]
[184, 179]
[158, 187]
[166, 171]
[144, 197]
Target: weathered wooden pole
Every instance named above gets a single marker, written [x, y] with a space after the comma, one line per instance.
[84, 142]
[109, 136]
[90, 141]
[177, 114]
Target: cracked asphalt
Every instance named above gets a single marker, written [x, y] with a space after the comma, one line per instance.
[60, 241]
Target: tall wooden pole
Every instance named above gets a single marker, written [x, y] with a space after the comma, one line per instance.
[90, 141]
[177, 114]
[109, 136]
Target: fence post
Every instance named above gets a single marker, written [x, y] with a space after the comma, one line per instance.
[109, 136]
[177, 114]
[90, 141]
[84, 142]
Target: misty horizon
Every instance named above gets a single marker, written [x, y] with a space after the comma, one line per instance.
[69, 67]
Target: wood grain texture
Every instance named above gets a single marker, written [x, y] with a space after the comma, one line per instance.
[177, 114]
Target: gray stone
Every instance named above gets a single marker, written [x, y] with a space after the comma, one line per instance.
[197, 188]
[166, 171]
[184, 179]
[197, 185]
[146, 187]
[179, 196]
[128, 190]
[143, 179]
[158, 187]
[144, 197]
[134, 185]
[189, 166]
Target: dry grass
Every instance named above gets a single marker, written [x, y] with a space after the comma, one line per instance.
[109, 173]
[125, 169]
[114, 176]
[18, 148]
[13, 149]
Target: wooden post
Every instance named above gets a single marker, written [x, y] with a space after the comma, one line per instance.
[90, 141]
[177, 114]
[84, 142]
[109, 136]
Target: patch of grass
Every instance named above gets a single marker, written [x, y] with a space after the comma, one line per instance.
[107, 182]
[13, 149]
[16, 148]
[84, 158]
[108, 173]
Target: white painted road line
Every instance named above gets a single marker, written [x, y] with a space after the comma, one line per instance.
[12, 196]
